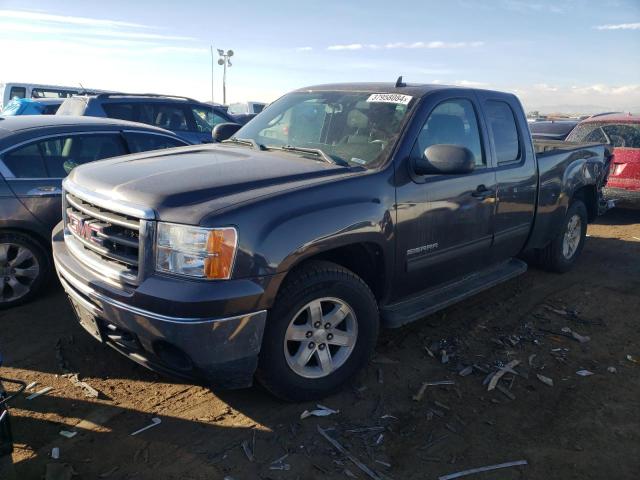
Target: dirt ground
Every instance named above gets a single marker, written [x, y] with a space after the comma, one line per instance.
[579, 428]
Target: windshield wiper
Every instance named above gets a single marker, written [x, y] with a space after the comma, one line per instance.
[245, 141]
[316, 151]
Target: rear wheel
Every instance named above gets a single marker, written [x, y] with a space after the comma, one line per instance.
[320, 332]
[563, 251]
[24, 266]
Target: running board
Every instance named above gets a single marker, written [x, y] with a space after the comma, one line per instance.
[415, 308]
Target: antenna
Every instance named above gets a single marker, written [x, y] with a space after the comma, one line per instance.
[400, 83]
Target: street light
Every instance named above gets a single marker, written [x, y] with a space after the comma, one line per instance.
[226, 62]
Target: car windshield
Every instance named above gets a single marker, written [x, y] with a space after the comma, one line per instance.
[358, 128]
[621, 135]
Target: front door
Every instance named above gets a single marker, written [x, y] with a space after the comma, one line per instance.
[444, 222]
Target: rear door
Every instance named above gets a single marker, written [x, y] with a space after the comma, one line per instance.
[445, 222]
[34, 171]
[516, 172]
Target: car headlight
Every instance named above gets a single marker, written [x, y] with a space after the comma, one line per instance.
[196, 251]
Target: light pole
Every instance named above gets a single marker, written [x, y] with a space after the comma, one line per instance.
[211, 73]
[225, 61]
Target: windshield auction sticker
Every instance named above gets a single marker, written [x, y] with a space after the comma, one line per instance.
[390, 98]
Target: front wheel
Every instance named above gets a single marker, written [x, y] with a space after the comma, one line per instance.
[563, 251]
[320, 332]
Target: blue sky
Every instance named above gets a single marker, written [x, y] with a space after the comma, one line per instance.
[569, 54]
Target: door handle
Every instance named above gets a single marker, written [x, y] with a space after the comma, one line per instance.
[482, 192]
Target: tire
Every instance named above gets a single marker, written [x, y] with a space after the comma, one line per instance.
[336, 292]
[560, 255]
[24, 268]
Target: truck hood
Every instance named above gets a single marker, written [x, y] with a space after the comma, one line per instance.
[184, 185]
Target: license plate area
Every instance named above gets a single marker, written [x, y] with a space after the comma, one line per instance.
[87, 320]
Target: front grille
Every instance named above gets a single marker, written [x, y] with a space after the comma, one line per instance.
[106, 236]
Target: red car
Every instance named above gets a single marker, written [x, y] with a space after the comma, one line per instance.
[622, 131]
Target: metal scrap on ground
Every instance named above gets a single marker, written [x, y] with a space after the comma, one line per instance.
[346, 453]
[154, 421]
[488, 468]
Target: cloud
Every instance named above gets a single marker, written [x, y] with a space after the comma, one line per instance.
[303, 49]
[619, 26]
[413, 45]
[68, 20]
[470, 83]
[351, 46]
[33, 28]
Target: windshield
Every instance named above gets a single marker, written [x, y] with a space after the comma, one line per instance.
[621, 135]
[359, 128]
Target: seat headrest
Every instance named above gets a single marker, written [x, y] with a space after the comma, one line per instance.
[357, 119]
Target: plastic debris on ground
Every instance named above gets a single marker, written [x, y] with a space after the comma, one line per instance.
[39, 392]
[545, 380]
[322, 411]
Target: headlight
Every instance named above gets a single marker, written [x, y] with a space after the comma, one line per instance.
[195, 251]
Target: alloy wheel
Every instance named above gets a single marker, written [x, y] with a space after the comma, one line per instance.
[320, 337]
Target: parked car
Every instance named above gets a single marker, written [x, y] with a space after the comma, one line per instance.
[338, 210]
[189, 119]
[242, 108]
[36, 153]
[11, 90]
[243, 118]
[622, 132]
[552, 129]
[31, 106]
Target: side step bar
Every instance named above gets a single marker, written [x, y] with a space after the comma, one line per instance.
[417, 307]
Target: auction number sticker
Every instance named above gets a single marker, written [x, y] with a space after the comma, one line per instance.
[390, 98]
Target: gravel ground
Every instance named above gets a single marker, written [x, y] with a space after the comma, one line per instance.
[582, 427]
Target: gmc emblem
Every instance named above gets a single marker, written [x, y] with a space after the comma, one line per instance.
[84, 228]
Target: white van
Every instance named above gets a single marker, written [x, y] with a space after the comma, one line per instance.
[9, 91]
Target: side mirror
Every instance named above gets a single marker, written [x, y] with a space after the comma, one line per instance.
[224, 131]
[445, 159]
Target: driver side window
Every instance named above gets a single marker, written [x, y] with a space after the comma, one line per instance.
[453, 122]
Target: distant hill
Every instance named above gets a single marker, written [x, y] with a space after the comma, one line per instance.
[579, 109]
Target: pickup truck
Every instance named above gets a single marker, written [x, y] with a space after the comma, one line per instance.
[280, 253]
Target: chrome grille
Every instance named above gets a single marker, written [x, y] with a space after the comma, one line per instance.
[107, 238]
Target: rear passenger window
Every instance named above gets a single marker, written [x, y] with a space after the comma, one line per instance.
[78, 149]
[121, 111]
[25, 162]
[453, 122]
[169, 116]
[502, 125]
[143, 142]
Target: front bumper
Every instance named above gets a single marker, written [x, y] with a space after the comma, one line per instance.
[160, 323]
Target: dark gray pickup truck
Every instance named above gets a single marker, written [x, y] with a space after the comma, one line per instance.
[338, 210]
